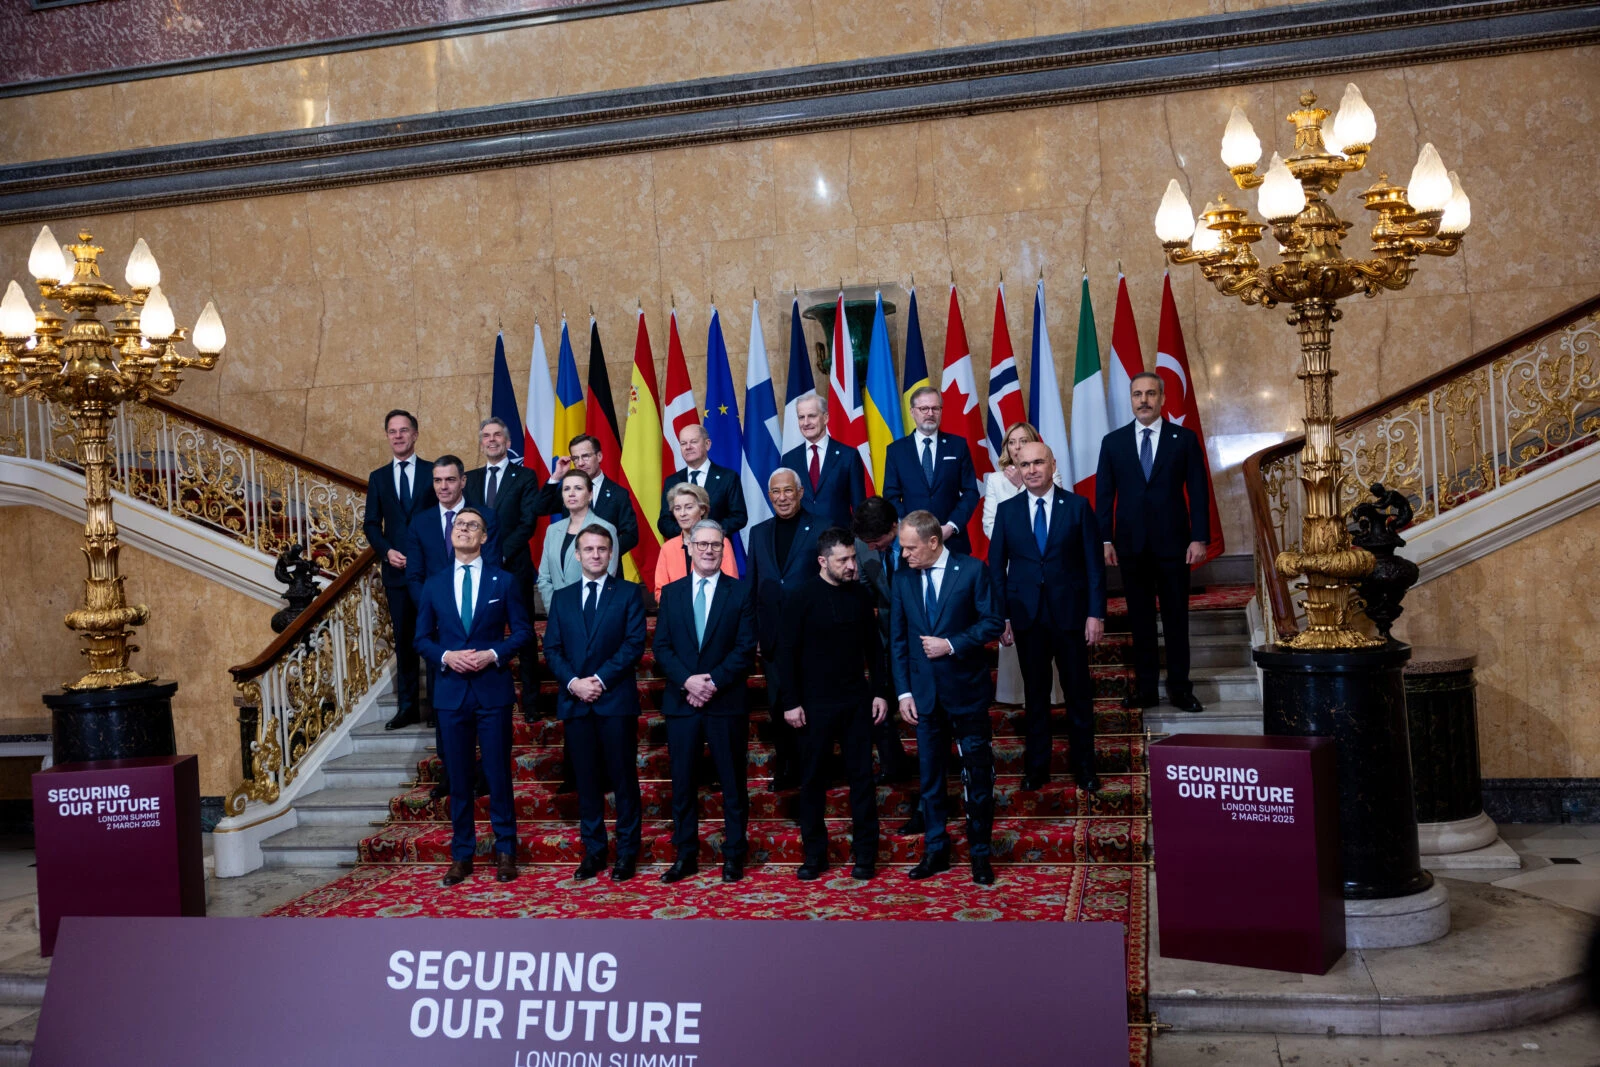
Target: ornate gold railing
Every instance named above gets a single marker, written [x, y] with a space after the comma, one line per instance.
[178, 460]
[1466, 431]
[306, 682]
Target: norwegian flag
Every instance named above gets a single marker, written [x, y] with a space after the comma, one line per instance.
[847, 422]
[1005, 387]
[962, 416]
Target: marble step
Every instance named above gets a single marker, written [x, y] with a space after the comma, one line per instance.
[1218, 685]
[370, 770]
[345, 807]
[314, 846]
[1222, 717]
[22, 979]
[372, 737]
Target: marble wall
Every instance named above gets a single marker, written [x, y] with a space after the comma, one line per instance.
[1532, 620]
[533, 62]
[42, 569]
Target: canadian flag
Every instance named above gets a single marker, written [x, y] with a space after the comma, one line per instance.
[963, 417]
[680, 410]
[1179, 404]
[847, 422]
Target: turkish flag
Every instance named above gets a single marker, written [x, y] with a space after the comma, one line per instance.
[1179, 404]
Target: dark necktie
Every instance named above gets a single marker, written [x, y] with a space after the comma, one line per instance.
[1146, 453]
[694, 477]
[930, 601]
[590, 603]
[1041, 530]
[449, 524]
[927, 461]
[466, 600]
[816, 469]
[494, 480]
[405, 485]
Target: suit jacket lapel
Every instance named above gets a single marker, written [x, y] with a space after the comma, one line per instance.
[717, 608]
[488, 589]
[1169, 444]
[795, 551]
[944, 593]
[1058, 520]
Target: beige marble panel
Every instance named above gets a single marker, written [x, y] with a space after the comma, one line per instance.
[963, 22]
[997, 164]
[598, 205]
[744, 35]
[343, 423]
[162, 111]
[601, 54]
[482, 69]
[180, 239]
[274, 337]
[514, 219]
[261, 241]
[364, 231]
[287, 95]
[891, 174]
[368, 333]
[812, 182]
[383, 83]
[278, 415]
[718, 192]
[849, 29]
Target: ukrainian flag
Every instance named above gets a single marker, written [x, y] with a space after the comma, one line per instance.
[570, 413]
[883, 399]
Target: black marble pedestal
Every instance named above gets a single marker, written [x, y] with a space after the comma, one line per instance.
[128, 722]
[1442, 710]
[1359, 700]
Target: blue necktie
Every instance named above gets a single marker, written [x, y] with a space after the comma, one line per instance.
[449, 524]
[466, 600]
[489, 493]
[700, 611]
[405, 485]
[930, 603]
[1146, 454]
[1041, 531]
[927, 460]
[694, 477]
[590, 603]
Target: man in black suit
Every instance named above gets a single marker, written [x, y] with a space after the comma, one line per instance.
[876, 527]
[944, 614]
[396, 491]
[607, 499]
[1155, 535]
[782, 557]
[593, 643]
[832, 481]
[705, 644]
[835, 686]
[720, 483]
[932, 471]
[507, 490]
[1045, 559]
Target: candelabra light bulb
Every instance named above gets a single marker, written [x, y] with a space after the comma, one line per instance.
[16, 317]
[1205, 238]
[1429, 187]
[1240, 145]
[155, 318]
[142, 272]
[46, 262]
[209, 336]
[1354, 124]
[1281, 197]
[1174, 218]
[1458, 212]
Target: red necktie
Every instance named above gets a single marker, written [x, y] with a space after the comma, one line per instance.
[816, 469]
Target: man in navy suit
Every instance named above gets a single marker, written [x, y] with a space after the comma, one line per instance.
[1147, 469]
[706, 644]
[943, 614]
[592, 644]
[462, 628]
[507, 490]
[396, 491]
[782, 557]
[832, 481]
[876, 527]
[607, 499]
[720, 483]
[932, 471]
[429, 546]
[1045, 558]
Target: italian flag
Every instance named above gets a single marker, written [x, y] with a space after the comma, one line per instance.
[1089, 422]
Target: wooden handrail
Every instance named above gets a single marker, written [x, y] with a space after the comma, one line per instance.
[1267, 547]
[349, 481]
[308, 618]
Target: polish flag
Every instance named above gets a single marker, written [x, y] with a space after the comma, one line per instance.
[680, 410]
[539, 429]
[847, 421]
[962, 416]
[1126, 361]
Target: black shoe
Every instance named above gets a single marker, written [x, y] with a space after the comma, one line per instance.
[784, 780]
[903, 770]
[982, 871]
[403, 719]
[914, 826]
[567, 786]
[1088, 781]
[681, 868]
[505, 867]
[593, 863]
[811, 870]
[1188, 703]
[733, 870]
[439, 791]
[1139, 702]
[459, 872]
[932, 863]
[863, 872]
[623, 869]
[1035, 781]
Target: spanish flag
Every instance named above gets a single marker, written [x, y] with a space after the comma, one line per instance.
[641, 451]
[570, 415]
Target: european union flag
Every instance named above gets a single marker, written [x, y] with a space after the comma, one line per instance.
[722, 413]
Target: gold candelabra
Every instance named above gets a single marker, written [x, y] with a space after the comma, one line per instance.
[73, 359]
[1426, 217]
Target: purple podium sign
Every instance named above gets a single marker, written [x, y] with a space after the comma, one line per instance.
[583, 993]
[1247, 850]
[118, 837]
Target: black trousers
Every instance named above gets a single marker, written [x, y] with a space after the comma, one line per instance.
[851, 726]
[972, 733]
[403, 616]
[785, 742]
[728, 737]
[601, 745]
[1145, 578]
[1039, 648]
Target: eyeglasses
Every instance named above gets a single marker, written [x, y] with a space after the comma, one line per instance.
[476, 527]
[706, 546]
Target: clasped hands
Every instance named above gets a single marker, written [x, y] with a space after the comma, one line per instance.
[587, 689]
[700, 689]
[468, 661]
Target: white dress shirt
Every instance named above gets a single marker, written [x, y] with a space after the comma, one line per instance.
[476, 569]
[821, 447]
[711, 586]
[499, 478]
[704, 471]
[1049, 499]
[937, 573]
[1155, 429]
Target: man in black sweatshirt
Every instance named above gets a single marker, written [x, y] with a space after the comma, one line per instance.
[834, 685]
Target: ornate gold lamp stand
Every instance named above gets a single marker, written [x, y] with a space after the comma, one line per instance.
[1332, 679]
[90, 367]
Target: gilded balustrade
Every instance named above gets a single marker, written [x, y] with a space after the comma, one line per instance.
[199, 470]
[1465, 433]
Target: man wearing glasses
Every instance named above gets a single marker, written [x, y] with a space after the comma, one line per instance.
[932, 471]
[706, 645]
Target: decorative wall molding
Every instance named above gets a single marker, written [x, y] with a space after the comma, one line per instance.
[164, 535]
[1321, 39]
[1559, 800]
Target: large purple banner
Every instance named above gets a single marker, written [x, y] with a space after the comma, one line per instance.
[582, 993]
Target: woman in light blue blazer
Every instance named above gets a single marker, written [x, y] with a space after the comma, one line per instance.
[558, 566]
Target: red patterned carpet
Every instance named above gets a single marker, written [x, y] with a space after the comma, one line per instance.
[1060, 855]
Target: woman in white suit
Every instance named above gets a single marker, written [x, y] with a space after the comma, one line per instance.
[997, 487]
[559, 566]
